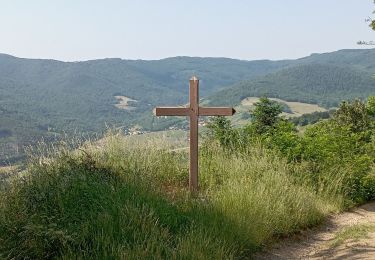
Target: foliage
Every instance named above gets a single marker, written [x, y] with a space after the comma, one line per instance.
[221, 129]
[354, 114]
[309, 119]
[266, 114]
[371, 106]
[371, 24]
[341, 147]
[118, 199]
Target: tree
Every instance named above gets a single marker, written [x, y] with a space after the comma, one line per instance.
[266, 114]
[354, 114]
[372, 26]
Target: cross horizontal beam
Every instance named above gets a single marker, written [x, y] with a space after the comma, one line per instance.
[171, 111]
[216, 111]
[202, 111]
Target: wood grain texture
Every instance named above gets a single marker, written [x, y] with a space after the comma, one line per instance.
[171, 111]
[194, 111]
[216, 111]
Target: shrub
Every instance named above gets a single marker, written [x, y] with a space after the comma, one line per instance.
[343, 144]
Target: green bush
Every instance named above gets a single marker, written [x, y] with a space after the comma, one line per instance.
[343, 145]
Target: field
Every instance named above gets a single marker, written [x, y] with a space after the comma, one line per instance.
[124, 103]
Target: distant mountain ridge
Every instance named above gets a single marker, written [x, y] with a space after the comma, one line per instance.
[323, 84]
[41, 97]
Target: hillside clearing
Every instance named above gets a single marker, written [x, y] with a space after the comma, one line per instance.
[297, 108]
[123, 103]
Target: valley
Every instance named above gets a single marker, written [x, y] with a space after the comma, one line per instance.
[46, 99]
[187, 130]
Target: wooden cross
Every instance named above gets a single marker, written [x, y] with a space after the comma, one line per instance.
[194, 111]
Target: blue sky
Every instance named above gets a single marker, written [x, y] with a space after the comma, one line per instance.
[73, 30]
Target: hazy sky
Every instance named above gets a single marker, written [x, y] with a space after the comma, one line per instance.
[153, 29]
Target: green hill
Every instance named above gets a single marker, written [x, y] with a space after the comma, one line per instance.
[44, 98]
[316, 83]
[66, 95]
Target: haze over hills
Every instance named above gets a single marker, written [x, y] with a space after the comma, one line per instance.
[80, 93]
[322, 84]
[46, 97]
[324, 79]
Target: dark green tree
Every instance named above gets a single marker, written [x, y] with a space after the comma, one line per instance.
[266, 114]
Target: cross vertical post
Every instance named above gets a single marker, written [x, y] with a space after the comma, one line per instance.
[193, 112]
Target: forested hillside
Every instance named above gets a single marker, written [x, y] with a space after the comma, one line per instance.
[316, 83]
[44, 98]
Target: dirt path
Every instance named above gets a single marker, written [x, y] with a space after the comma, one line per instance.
[350, 235]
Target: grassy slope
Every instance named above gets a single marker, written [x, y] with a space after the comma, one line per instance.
[120, 200]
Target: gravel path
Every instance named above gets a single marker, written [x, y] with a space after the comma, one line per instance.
[319, 243]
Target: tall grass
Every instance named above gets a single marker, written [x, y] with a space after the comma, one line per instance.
[118, 199]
